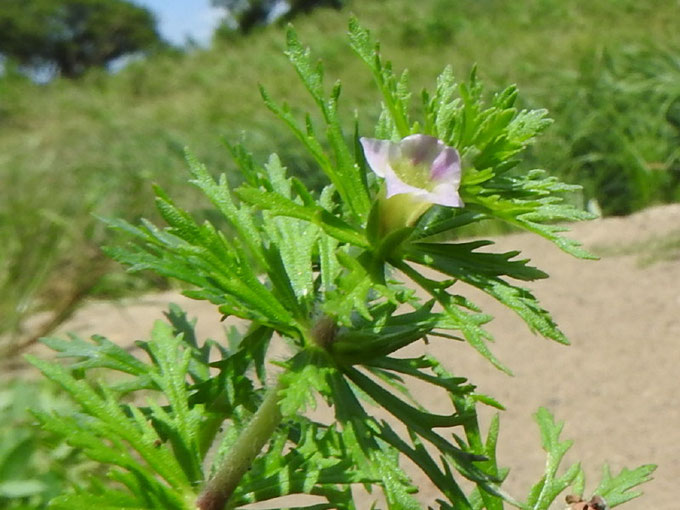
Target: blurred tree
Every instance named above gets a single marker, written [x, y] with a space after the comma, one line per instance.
[248, 14]
[73, 35]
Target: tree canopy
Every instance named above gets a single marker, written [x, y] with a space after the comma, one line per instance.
[74, 35]
[249, 14]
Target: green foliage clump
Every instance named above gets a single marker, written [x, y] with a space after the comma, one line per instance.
[74, 35]
[312, 269]
[250, 14]
[621, 128]
[35, 466]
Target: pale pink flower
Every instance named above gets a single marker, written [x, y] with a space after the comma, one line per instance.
[419, 165]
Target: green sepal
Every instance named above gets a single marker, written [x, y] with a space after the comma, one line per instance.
[374, 338]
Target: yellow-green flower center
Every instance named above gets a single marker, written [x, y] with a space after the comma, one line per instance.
[413, 174]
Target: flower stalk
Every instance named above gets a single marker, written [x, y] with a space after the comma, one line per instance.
[250, 442]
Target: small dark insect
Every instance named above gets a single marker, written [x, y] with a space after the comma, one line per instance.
[595, 503]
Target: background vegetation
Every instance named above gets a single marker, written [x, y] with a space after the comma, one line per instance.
[72, 36]
[608, 71]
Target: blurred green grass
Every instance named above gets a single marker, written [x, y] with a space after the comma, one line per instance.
[608, 71]
[34, 466]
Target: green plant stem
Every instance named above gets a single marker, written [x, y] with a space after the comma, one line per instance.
[219, 489]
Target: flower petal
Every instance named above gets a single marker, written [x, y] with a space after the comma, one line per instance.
[377, 153]
[446, 167]
[445, 194]
[421, 149]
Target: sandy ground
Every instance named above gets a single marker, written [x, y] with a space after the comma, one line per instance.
[615, 386]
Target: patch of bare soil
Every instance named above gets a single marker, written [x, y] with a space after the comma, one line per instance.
[615, 386]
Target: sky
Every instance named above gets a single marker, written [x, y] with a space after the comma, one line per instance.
[182, 19]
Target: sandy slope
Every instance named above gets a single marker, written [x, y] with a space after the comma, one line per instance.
[616, 386]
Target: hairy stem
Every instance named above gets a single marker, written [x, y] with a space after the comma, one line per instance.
[219, 489]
